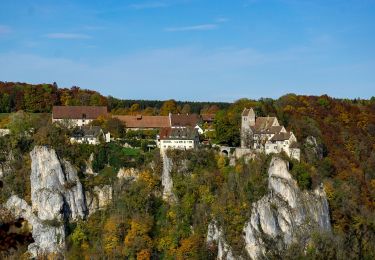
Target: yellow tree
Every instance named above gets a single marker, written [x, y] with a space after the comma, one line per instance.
[110, 236]
[169, 106]
[137, 242]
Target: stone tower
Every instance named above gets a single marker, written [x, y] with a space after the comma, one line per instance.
[248, 119]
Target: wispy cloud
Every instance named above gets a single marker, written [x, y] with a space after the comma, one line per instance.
[148, 5]
[199, 27]
[222, 20]
[68, 36]
[4, 29]
[222, 74]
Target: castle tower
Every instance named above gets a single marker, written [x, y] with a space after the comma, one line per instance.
[248, 119]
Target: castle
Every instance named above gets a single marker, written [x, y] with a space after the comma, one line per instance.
[265, 134]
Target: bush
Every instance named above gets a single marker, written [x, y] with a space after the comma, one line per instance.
[301, 173]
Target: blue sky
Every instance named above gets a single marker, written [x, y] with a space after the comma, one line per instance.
[212, 50]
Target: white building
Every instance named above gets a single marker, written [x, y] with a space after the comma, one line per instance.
[73, 116]
[177, 138]
[265, 134]
[89, 135]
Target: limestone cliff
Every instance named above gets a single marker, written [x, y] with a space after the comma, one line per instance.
[215, 235]
[56, 191]
[56, 196]
[166, 179]
[285, 212]
[98, 198]
[48, 237]
[278, 217]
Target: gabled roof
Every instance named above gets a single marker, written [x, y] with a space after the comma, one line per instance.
[248, 111]
[264, 122]
[184, 120]
[281, 137]
[144, 121]
[187, 133]
[87, 131]
[78, 112]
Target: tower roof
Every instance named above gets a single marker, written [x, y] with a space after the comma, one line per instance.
[248, 112]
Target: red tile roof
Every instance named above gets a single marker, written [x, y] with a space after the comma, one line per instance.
[184, 120]
[144, 121]
[78, 112]
[208, 117]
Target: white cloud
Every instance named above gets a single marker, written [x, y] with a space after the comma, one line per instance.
[68, 36]
[200, 27]
[148, 5]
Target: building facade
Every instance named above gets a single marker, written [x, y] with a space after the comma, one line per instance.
[177, 138]
[265, 134]
[93, 135]
[73, 116]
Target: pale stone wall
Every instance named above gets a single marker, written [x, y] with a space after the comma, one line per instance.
[72, 122]
[177, 144]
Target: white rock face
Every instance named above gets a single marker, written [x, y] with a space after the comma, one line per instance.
[312, 144]
[5, 167]
[56, 196]
[127, 174]
[284, 211]
[166, 179]
[48, 239]
[99, 198]
[215, 235]
[56, 192]
[89, 169]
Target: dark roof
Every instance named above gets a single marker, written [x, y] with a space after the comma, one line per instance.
[87, 131]
[144, 121]
[187, 133]
[280, 137]
[208, 117]
[184, 120]
[78, 112]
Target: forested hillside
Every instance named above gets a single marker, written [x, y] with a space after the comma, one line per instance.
[41, 98]
[139, 224]
[345, 132]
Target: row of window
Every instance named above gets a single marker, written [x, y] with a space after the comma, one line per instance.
[179, 146]
[177, 142]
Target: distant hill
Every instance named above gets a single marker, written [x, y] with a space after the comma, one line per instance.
[40, 98]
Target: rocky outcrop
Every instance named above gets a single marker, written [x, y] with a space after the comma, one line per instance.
[99, 198]
[56, 196]
[48, 237]
[313, 149]
[5, 166]
[166, 179]
[285, 212]
[215, 236]
[127, 174]
[56, 192]
[89, 169]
